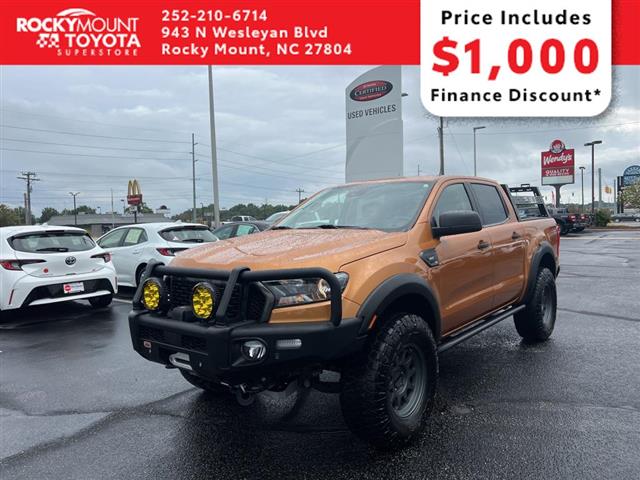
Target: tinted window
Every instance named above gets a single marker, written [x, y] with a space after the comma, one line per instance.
[245, 230]
[188, 234]
[112, 239]
[224, 232]
[134, 236]
[490, 204]
[43, 242]
[453, 198]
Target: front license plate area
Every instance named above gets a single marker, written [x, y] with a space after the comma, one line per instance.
[75, 287]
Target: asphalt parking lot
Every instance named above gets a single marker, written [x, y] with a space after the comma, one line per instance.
[77, 403]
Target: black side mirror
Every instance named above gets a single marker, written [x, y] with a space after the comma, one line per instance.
[454, 223]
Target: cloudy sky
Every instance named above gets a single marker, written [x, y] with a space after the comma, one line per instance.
[90, 129]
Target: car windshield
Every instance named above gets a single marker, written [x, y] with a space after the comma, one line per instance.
[52, 242]
[188, 235]
[392, 206]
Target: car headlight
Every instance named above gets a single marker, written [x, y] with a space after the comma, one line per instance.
[303, 290]
[154, 294]
[203, 300]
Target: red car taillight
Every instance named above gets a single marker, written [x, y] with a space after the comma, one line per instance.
[105, 256]
[17, 264]
[169, 252]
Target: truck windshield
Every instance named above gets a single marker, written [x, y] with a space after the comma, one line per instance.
[392, 206]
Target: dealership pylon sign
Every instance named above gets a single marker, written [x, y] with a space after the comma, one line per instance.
[558, 164]
[374, 125]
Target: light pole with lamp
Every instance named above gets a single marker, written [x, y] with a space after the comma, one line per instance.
[75, 210]
[475, 163]
[582, 182]
[593, 173]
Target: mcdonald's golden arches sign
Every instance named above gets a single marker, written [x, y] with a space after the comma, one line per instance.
[134, 194]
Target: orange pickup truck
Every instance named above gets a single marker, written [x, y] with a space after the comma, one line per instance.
[370, 280]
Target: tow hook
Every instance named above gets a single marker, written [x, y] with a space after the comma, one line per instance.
[243, 396]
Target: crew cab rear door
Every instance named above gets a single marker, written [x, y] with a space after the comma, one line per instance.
[507, 241]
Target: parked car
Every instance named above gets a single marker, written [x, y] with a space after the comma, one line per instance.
[273, 218]
[243, 218]
[625, 217]
[46, 264]
[371, 280]
[133, 246]
[239, 229]
[569, 222]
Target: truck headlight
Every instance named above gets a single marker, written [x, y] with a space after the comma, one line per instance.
[154, 294]
[303, 290]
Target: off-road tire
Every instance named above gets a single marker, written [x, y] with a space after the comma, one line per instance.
[206, 385]
[368, 389]
[535, 323]
[101, 301]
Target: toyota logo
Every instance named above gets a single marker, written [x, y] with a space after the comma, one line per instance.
[70, 260]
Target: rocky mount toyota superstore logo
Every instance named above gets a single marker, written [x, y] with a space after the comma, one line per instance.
[79, 32]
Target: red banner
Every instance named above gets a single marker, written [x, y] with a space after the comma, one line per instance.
[356, 32]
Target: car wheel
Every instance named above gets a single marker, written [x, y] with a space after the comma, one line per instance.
[206, 385]
[387, 393]
[101, 301]
[140, 273]
[535, 323]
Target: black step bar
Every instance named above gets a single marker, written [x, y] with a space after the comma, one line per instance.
[469, 332]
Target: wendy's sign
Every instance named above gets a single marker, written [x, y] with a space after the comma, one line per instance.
[558, 164]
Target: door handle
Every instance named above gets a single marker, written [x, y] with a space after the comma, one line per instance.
[482, 245]
[515, 236]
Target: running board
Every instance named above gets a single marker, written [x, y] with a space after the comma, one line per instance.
[477, 328]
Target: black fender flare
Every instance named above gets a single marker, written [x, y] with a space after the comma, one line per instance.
[536, 260]
[394, 288]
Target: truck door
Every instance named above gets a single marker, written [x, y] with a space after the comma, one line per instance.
[464, 276]
[507, 242]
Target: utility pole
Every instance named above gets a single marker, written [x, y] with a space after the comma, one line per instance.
[75, 210]
[475, 160]
[441, 138]
[193, 171]
[593, 174]
[300, 192]
[582, 182]
[28, 177]
[615, 193]
[418, 169]
[113, 222]
[599, 187]
[214, 153]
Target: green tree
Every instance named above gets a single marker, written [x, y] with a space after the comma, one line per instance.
[631, 195]
[81, 209]
[47, 213]
[9, 216]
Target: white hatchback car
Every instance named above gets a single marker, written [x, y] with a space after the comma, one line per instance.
[42, 264]
[132, 247]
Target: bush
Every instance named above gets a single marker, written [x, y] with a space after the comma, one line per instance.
[603, 217]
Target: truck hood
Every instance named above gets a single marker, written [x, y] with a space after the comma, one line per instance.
[280, 249]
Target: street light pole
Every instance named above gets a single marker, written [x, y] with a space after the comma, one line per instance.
[75, 210]
[214, 153]
[193, 173]
[475, 162]
[593, 173]
[582, 182]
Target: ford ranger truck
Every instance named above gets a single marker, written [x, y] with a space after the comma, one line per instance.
[370, 280]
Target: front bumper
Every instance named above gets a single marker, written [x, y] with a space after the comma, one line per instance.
[214, 347]
[215, 351]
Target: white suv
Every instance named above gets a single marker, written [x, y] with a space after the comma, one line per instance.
[132, 247]
[44, 264]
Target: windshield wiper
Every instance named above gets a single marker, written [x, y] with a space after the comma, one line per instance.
[52, 249]
[281, 227]
[330, 226]
[193, 240]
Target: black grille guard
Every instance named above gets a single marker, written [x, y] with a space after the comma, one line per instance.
[244, 276]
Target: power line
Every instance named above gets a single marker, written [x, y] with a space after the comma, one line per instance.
[523, 132]
[88, 146]
[133, 139]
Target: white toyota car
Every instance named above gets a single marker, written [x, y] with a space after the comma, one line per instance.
[42, 264]
[132, 247]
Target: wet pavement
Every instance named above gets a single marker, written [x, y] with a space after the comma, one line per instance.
[77, 403]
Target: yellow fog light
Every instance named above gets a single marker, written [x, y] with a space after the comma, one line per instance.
[203, 300]
[152, 294]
